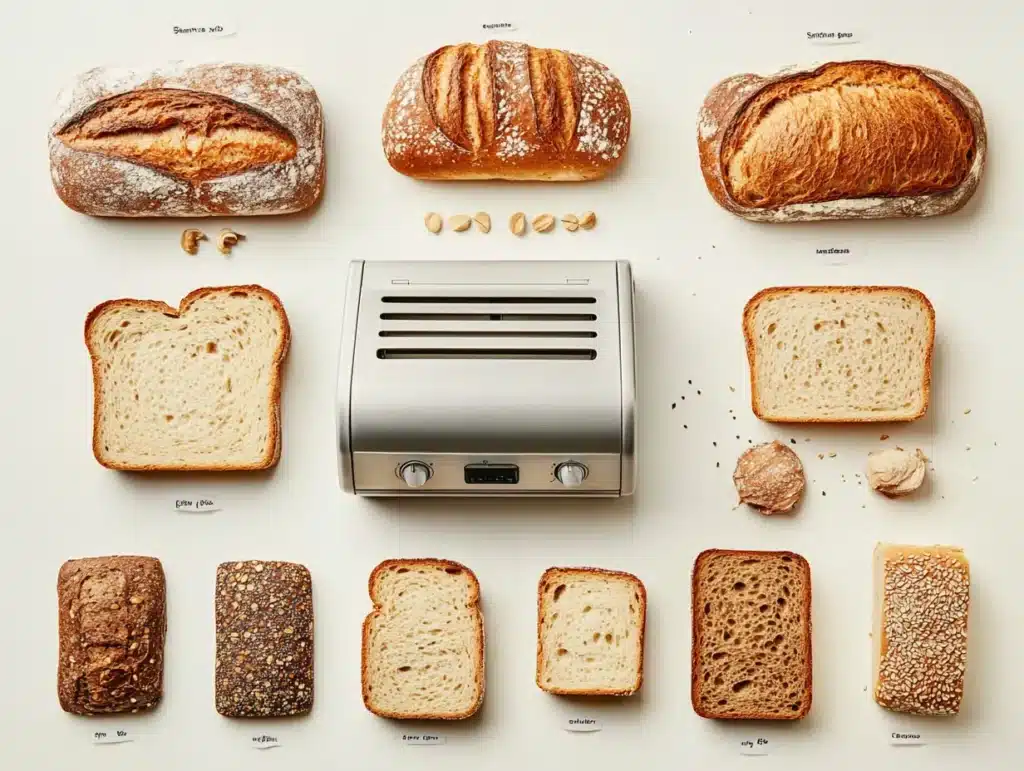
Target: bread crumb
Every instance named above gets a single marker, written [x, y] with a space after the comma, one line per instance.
[883, 437]
[967, 411]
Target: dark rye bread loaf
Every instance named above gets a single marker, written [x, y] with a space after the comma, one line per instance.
[506, 110]
[847, 140]
[112, 621]
[188, 141]
[264, 615]
[751, 655]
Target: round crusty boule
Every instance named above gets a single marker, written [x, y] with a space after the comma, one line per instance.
[769, 477]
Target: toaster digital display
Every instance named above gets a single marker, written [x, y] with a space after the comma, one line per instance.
[491, 474]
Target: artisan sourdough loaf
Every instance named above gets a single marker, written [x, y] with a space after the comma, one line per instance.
[858, 139]
[193, 388]
[839, 354]
[590, 632]
[182, 141]
[922, 600]
[506, 110]
[423, 643]
[751, 654]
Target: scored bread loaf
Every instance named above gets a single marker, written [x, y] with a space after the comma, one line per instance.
[183, 141]
[112, 621]
[193, 388]
[858, 139]
[506, 110]
[751, 655]
[423, 643]
[922, 600]
[839, 354]
[590, 632]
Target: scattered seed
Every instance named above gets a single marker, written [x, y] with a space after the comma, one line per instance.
[673, 405]
[588, 220]
[883, 437]
[831, 455]
[483, 221]
[433, 222]
[571, 222]
[792, 441]
[459, 222]
[967, 411]
[517, 223]
[543, 223]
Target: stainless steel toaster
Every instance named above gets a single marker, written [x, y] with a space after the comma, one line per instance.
[496, 378]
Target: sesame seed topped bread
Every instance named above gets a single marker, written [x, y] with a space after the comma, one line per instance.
[857, 139]
[506, 110]
[590, 632]
[922, 600]
[195, 388]
[839, 354]
[751, 655]
[423, 643]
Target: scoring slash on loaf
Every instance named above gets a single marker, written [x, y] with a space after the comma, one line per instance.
[590, 632]
[423, 643]
[839, 354]
[188, 141]
[848, 140]
[112, 622]
[751, 654]
[197, 388]
[506, 110]
[922, 600]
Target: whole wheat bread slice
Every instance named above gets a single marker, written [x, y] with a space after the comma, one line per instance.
[423, 643]
[590, 632]
[839, 354]
[751, 655]
[196, 388]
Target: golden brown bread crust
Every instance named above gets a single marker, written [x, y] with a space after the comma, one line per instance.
[112, 621]
[506, 110]
[274, 439]
[365, 648]
[749, 334]
[181, 141]
[542, 587]
[861, 139]
[698, 632]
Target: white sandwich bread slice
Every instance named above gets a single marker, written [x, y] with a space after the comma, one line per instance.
[193, 388]
[423, 643]
[590, 632]
[839, 354]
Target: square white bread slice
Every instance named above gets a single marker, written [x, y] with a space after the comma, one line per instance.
[922, 600]
[197, 388]
[839, 354]
[423, 643]
[590, 632]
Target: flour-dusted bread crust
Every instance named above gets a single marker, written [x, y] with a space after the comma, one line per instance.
[506, 110]
[846, 140]
[193, 388]
[112, 620]
[188, 141]
[590, 632]
[423, 643]
[839, 354]
[751, 652]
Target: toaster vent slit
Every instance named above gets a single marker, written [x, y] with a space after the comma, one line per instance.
[564, 354]
[488, 317]
[565, 333]
[453, 300]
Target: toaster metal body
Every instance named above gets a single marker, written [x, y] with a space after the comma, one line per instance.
[487, 378]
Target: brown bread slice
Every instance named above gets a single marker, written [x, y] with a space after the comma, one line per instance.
[751, 656]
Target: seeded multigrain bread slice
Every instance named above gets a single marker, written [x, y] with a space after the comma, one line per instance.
[839, 354]
[590, 632]
[197, 388]
[751, 655]
[922, 600]
[423, 643]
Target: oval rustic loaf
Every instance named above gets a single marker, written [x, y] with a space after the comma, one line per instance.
[848, 140]
[506, 110]
[188, 141]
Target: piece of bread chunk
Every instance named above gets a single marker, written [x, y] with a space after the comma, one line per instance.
[922, 599]
[839, 354]
[197, 388]
[590, 632]
[423, 643]
[751, 655]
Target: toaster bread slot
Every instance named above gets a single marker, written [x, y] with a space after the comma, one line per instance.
[566, 354]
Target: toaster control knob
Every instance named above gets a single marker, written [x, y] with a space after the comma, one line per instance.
[414, 473]
[571, 474]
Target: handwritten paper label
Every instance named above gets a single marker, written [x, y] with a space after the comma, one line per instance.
[837, 38]
[755, 746]
[906, 739]
[497, 27]
[422, 740]
[111, 737]
[264, 742]
[195, 505]
[224, 29]
[582, 725]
